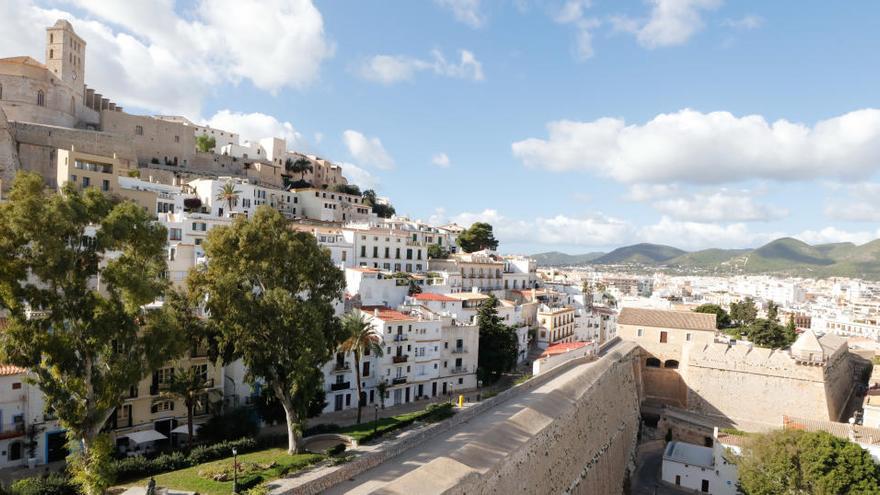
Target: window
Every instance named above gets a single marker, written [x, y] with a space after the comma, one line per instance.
[363, 251]
[165, 375]
[105, 185]
[640, 332]
[671, 364]
[86, 182]
[41, 98]
[176, 139]
[663, 337]
[652, 363]
[687, 337]
[175, 234]
[139, 130]
[16, 386]
[366, 371]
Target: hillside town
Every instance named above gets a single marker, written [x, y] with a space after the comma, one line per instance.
[714, 360]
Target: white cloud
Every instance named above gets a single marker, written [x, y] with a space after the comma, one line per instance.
[465, 11]
[572, 12]
[673, 22]
[593, 230]
[390, 69]
[720, 206]
[648, 192]
[359, 176]
[747, 22]
[833, 234]
[441, 160]
[716, 147]
[854, 202]
[256, 126]
[367, 151]
[697, 235]
[147, 55]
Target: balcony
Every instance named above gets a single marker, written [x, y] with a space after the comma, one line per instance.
[459, 350]
[12, 430]
[458, 370]
[401, 337]
[400, 359]
[341, 367]
[334, 387]
[399, 380]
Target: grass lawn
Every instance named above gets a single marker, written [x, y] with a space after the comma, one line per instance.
[385, 425]
[189, 479]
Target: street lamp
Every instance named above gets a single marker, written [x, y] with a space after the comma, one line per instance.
[479, 386]
[234, 470]
[375, 418]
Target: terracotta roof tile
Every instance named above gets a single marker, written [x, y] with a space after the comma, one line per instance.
[685, 320]
[562, 348]
[386, 314]
[428, 296]
[9, 370]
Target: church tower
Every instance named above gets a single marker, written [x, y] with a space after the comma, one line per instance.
[66, 55]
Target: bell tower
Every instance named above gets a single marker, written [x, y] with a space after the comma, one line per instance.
[66, 55]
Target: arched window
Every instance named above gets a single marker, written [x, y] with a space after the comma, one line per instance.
[671, 363]
[41, 98]
[652, 363]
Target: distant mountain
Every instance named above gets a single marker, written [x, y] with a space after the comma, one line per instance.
[640, 253]
[555, 258]
[782, 256]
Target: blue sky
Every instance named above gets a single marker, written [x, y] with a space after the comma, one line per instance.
[570, 125]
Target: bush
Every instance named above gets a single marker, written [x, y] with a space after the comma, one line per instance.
[53, 484]
[138, 467]
[335, 450]
[321, 428]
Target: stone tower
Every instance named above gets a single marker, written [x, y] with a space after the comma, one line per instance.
[8, 156]
[66, 55]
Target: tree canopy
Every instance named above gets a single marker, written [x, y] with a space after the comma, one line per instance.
[382, 209]
[795, 462]
[272, 291]
[205, 143]
[478, 237]
[75, 313]
[722, 319]
[767, 333]
[743, 312]
[360, 339]
[498, 344]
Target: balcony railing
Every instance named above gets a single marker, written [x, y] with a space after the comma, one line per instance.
[401, 337]
[12, 430]
[342, 367]
[340, 386]
[458, 370]
[399, 359]
[459, 350]
[398, 381]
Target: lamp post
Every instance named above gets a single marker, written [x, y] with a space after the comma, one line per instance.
[479, 392]
[375, 418]
[234, 470]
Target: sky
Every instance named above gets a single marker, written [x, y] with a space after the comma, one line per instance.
[570, 125]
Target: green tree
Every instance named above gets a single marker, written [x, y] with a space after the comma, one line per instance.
[768, 333]
[435, 251]
[772, 311]
[722, 319]
[478, 237]
[798, 462]
[498, 343]
[75, 315]
[300, 166]
[347, 189]
[191, 386]
[381, 209]
[229, 194]
[205, 143]
[271, 291]
[360, 339]
[381, 389]
[744, 312]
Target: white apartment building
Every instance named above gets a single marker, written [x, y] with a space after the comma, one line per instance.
[249, 197]
[375, 288]
[331, 206]
[699, 469]
[386, 249]
[221, 137]
[424, 355]
[23, 421]
[332, 238]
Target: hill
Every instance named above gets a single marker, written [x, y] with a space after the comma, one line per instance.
[555, 258]
[787, 256]
[640, 253]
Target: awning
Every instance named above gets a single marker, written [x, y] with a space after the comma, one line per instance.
[145, 436]
[184, 430]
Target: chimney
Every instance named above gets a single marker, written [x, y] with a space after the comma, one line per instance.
[375, 312]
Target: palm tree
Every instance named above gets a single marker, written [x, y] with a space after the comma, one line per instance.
[300, 166]
[190, 386]
[361, 339]
[229, 194]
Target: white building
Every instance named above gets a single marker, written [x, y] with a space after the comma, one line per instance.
[698, 468]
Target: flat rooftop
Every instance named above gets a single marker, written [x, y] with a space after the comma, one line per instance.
[690, 454]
